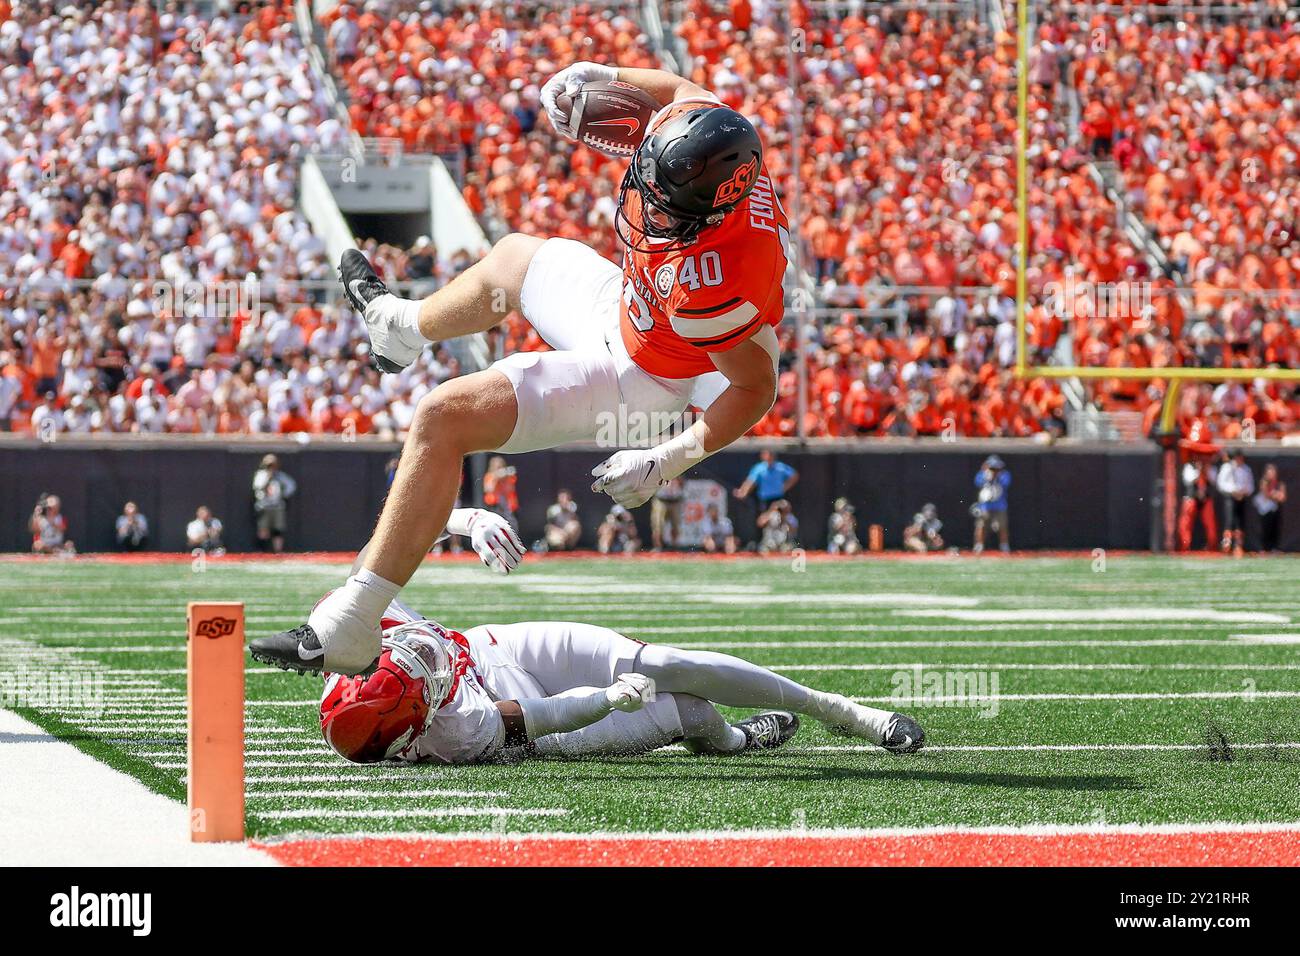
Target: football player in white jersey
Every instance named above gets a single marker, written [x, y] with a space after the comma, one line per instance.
[555, 689]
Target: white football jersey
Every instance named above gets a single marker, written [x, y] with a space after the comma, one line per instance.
[528, 661]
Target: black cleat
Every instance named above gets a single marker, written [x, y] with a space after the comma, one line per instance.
[769, 730]
[391, 350]
[296, 650]
[903, 735]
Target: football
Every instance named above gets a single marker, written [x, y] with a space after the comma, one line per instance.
[610, 117]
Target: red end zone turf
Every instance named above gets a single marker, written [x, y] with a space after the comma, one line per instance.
[1104, 848]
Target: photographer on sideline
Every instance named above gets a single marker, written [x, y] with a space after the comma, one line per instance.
[272, 490]
[49, 528]
[922, 535]
[132, 528]
[990, 510]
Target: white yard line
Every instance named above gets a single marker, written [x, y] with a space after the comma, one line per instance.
[1049, 748]
[998, 666]
[975, 698]
[71, 810]
[326, 794]
[412, 813]
[974, 643]
[1130, 615]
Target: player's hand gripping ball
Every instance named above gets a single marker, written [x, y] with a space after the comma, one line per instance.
[588, 103]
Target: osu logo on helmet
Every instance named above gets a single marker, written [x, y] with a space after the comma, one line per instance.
[216, 627]
[734, 189]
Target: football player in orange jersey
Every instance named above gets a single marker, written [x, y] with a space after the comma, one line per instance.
[689, 319]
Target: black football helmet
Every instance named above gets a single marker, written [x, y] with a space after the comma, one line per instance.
[687, 175]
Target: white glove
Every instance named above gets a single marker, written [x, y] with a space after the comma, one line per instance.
[491, 536]
[629, 477]
[630, 692]
[567, 82]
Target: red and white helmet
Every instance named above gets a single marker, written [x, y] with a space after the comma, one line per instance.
[369, 719]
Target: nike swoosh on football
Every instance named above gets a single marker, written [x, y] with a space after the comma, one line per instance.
[630, 123]
[309, 655]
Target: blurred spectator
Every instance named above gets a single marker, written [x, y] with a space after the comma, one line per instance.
[47, 419]
[49, 527]
[1236, 482]
[842, 529]
[132, 528]
[666, 514]
[563, 529]
[501, 490]
[11, 391]
[1198, 501]
[204, 532]
[718, 533]
[617, 534]
[922, 535]
[990, 508]
[779, 528]
[272, 489]
[1268, 502]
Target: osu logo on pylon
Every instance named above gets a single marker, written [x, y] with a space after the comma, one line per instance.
[216, 627]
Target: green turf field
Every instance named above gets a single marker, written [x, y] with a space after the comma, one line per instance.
[1102, 690]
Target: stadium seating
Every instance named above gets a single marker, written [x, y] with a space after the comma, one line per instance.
[906, 174]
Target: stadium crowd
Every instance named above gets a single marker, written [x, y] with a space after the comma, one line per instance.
[118, 205]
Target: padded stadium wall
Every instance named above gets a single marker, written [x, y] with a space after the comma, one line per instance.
[1077, 497]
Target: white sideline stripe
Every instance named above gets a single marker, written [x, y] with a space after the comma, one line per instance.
[1267, 638]
[1190, 695]
[274, 795]
[1146, 615]
[817, 833]
[72, 810]
[416, 814]
[951, 665]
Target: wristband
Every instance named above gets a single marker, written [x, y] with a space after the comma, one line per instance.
[678, 454]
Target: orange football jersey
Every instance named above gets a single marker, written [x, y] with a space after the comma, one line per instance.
[710, 296]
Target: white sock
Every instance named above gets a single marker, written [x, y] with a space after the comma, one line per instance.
[736, 740]
[347, 621]
[402, 314]
[409, 318]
